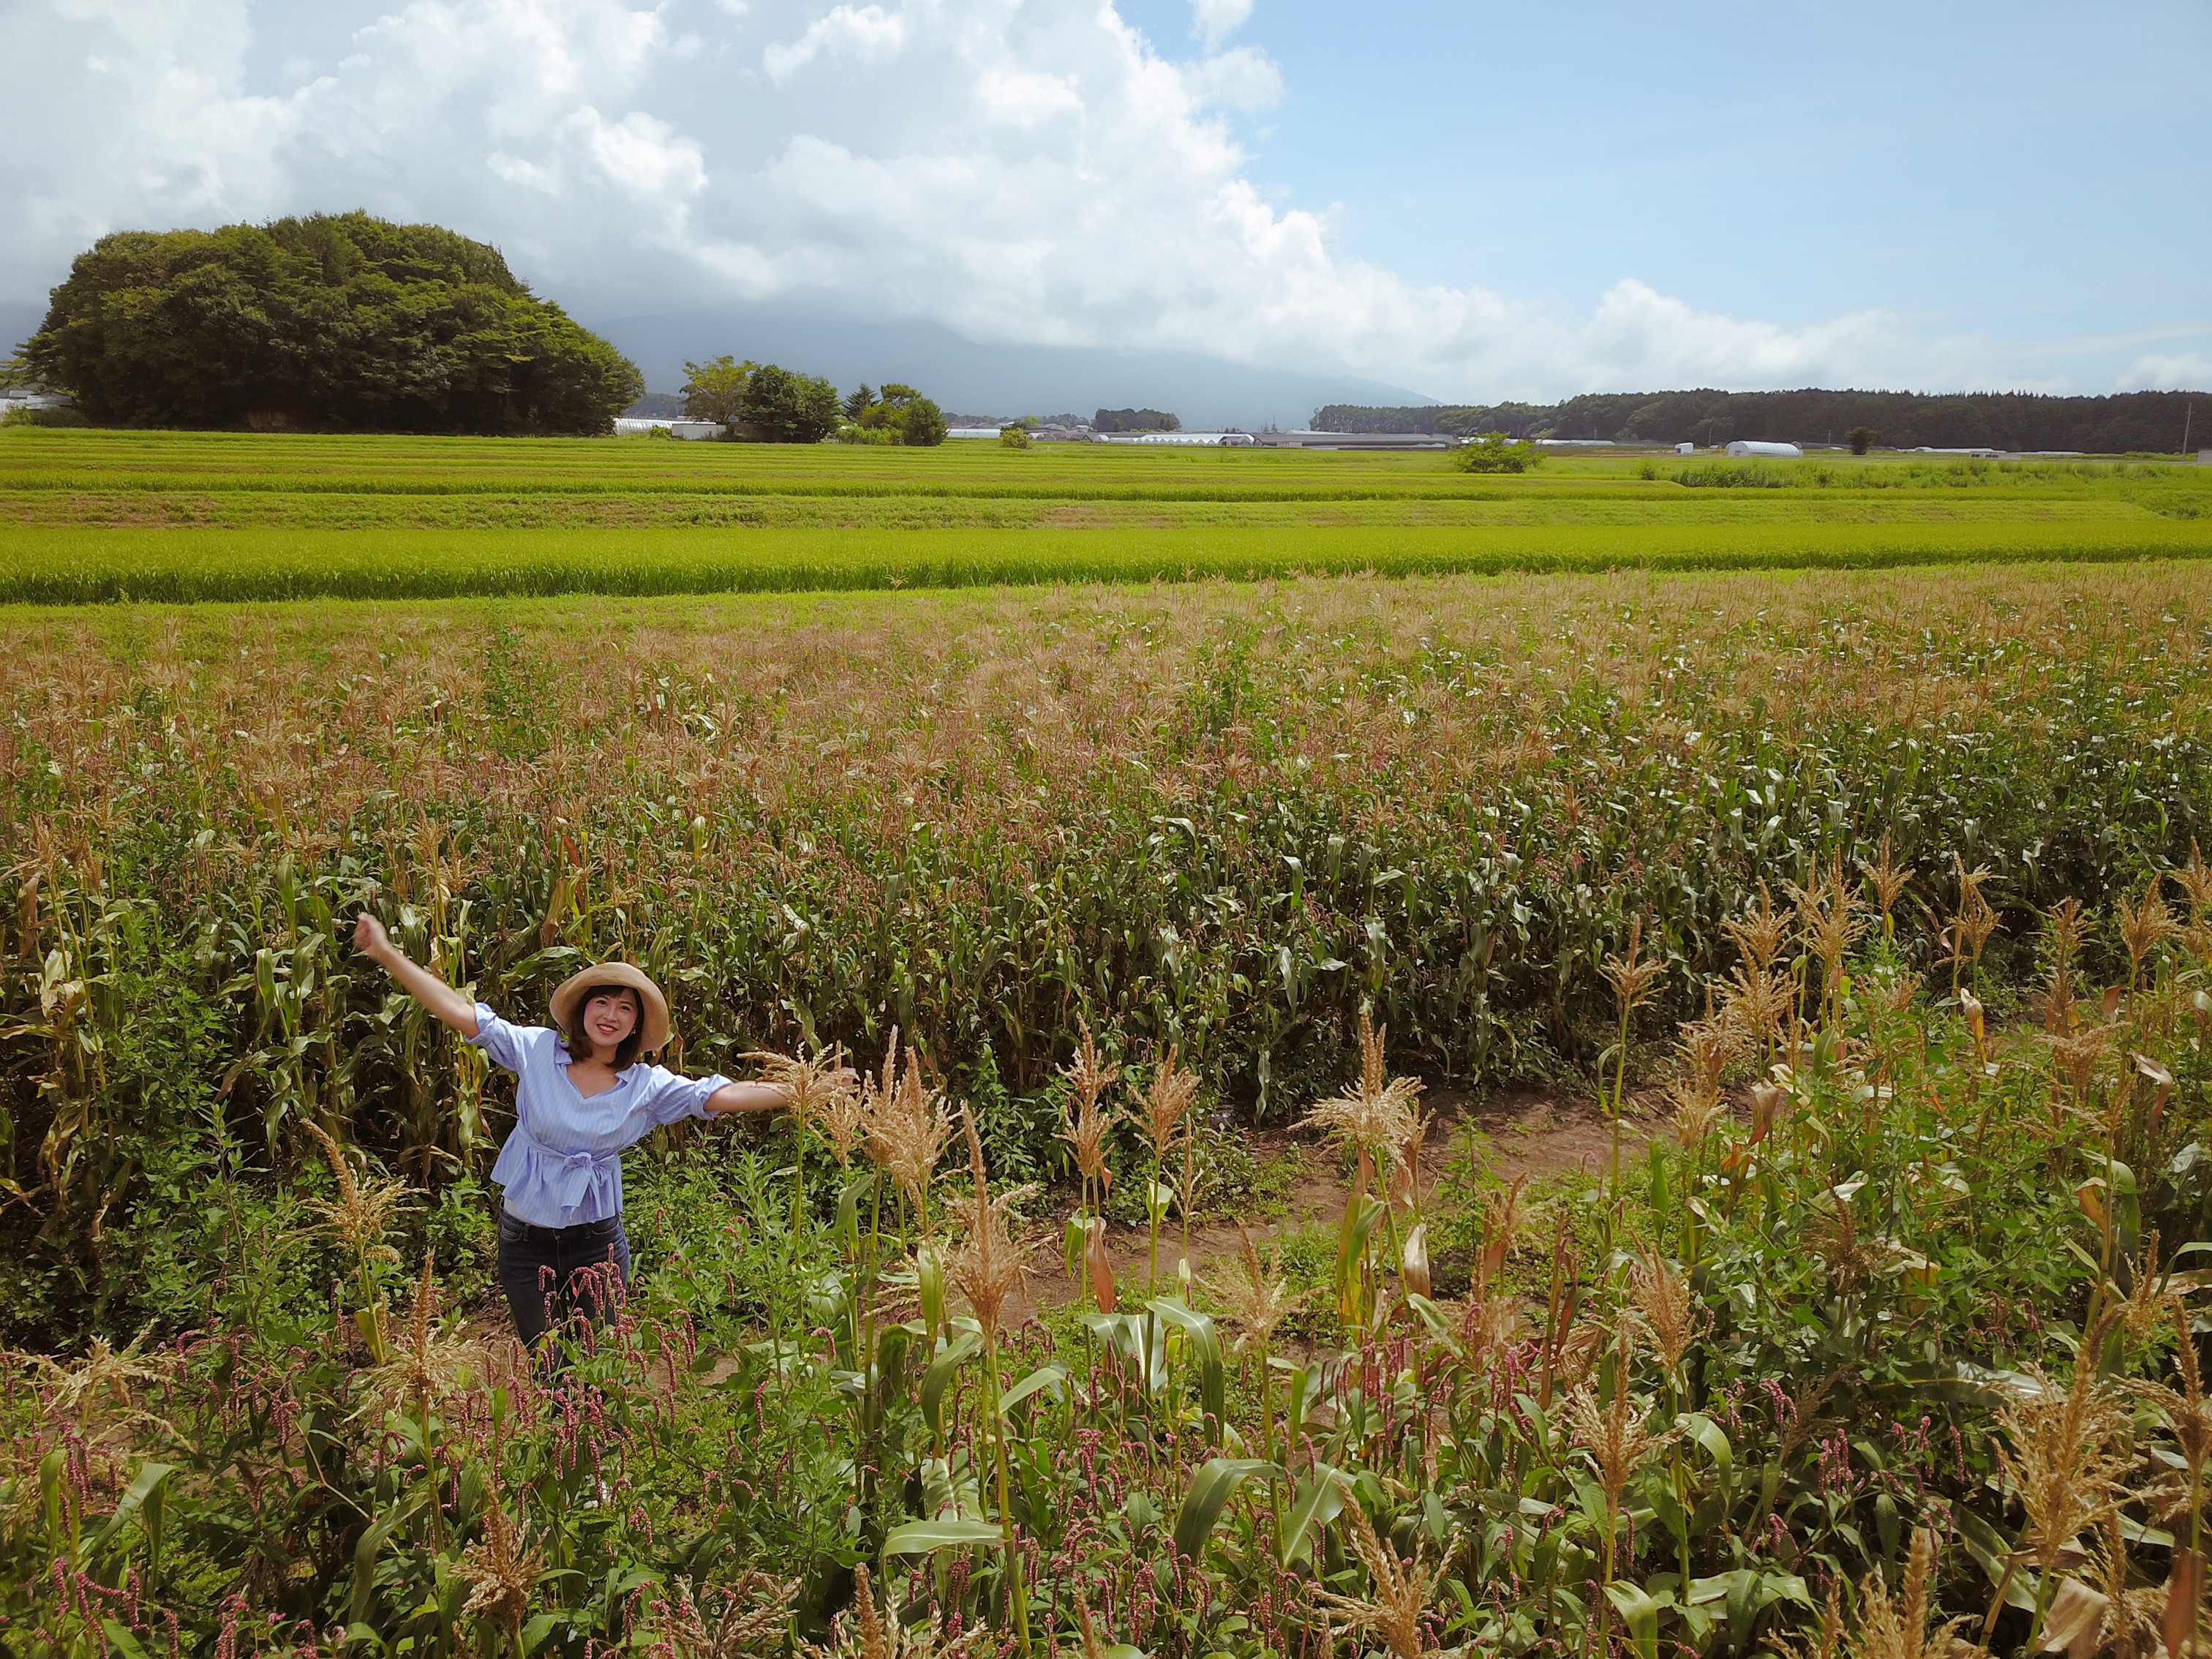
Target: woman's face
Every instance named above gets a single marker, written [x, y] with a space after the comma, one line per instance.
[609, 1017]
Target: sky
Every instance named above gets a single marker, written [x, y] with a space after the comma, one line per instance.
[1461, 203]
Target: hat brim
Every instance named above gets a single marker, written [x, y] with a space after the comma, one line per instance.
[653, 1004]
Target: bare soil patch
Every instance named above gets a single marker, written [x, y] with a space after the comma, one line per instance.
[1533, 1133]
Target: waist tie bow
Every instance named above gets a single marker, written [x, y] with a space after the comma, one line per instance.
[571, 1176]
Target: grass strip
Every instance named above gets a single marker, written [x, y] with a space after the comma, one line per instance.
[85, 566]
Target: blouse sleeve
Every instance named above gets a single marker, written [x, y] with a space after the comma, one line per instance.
[505, 1045]
[669, 1096]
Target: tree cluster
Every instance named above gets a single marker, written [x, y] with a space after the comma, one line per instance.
[1134, 420]
[335, 322]
[897, 414]
[761, 401]
[2128, 422]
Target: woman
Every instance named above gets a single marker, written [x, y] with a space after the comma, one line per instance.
[581, 1097]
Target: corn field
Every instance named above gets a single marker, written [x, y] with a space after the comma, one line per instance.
[1889, 882]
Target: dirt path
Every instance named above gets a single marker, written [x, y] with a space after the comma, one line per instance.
[1531, 1133]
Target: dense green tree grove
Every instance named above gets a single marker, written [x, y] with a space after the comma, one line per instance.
[334, 321]
[2130, 421]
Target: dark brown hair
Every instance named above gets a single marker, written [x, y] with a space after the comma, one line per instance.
[578, 1042]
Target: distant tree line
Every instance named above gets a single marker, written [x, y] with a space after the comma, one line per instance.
[1134, 420]
[332, 322]
[2129, 420]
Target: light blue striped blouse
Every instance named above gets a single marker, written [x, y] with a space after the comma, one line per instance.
[562, 1163]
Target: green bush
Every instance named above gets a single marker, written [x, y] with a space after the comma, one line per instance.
[61, 418]
[1494, 452]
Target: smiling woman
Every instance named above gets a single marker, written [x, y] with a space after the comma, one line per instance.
[581, 1098]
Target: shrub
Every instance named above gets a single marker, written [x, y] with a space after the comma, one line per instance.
[1013, 437]
[1495, 451]
[1862, 439]
[49, 417]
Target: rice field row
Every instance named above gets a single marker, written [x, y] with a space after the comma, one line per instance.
[80, 566]
[109, 463]
[98, 516]
[244, 509]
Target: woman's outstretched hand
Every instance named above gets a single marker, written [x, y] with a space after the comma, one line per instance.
[370, 937]
[448, 1005]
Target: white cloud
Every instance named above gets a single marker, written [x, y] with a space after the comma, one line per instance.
[1026, 100]
[2187, 371]
[1021, 171]
[865, 34]
[1240, 78]
[1213, 22]
[641, 156]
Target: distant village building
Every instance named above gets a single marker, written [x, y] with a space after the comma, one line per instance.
[1686, 449]
[1780, 451]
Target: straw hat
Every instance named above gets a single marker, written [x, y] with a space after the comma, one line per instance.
[654, 1005]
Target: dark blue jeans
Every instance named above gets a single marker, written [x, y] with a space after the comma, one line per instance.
[560, 1275]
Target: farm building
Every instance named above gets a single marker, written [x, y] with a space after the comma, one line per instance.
[627, 426]
[1745, 446]
[23, 397]
[1176, 440]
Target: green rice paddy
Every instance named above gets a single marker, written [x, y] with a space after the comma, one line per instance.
[93, 516]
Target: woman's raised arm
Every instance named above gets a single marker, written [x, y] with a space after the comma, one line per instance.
[747, 1097]
[766, 1096]
[425, 987]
